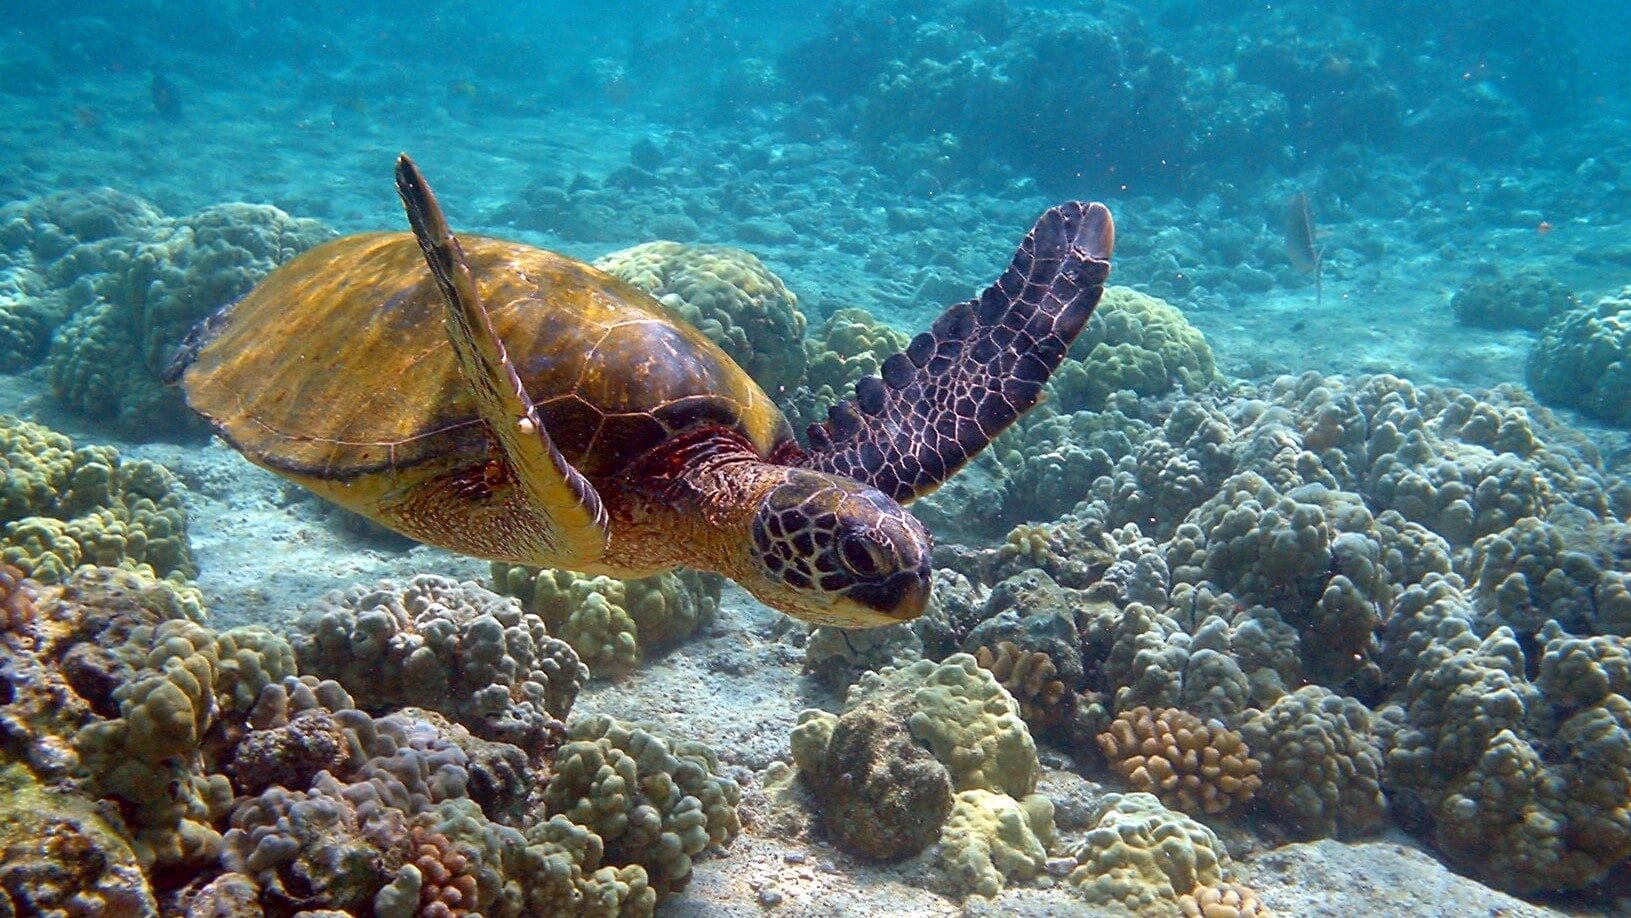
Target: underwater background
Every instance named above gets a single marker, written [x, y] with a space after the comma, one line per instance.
[1306, 591]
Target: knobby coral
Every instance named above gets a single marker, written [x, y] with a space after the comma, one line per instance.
[1196, 766]
[62, 507]
[613, 624]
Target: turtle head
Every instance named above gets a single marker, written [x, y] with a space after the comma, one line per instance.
[833, 551]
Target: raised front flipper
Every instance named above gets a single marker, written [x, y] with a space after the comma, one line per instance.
[571, 520]
[979, 367]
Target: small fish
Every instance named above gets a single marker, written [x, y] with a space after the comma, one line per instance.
[166, 98]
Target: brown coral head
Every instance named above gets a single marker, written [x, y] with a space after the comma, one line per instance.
[1227, 900]
[448, 886]
[16, 598]
[1199, 767]
[1032, 678]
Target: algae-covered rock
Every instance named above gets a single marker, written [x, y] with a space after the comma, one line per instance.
[59, 855]
[884, 796]
[1524, 300]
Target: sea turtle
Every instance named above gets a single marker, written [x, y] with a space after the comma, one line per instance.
[516, 405]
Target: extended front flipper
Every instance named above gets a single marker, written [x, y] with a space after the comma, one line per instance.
[571, 521]
[979, 367]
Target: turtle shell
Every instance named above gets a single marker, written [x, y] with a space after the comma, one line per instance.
[338, 365]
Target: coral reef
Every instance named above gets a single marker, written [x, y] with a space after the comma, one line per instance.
[1583, 360]
[1382, 588]
[1321, 764]
[1524, 300]
[63, 506]
[1135, 342]
[731, 297]
[185, 761]
[653, 803]
[448, 646]
[966, 771]
[613, 624]
[1199, 767]
[1523, 781]
[56, 252]
[1142, 856]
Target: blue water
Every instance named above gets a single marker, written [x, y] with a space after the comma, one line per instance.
[1466, 168]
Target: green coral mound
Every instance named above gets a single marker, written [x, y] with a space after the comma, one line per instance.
[1583, 360]
[730, 296]
[1135, 342]
[56, 253]
[1524, 300]
[108, 360]
[1142, 857]
[653, 803]
[993, 829]
[62, 507]
[613, 624]
[965, 717]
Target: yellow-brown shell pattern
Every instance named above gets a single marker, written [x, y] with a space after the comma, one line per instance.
[338, 365]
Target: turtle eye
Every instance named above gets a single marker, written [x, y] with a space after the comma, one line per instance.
[862, 556]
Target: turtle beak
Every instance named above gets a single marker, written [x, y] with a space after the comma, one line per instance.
[901, 597]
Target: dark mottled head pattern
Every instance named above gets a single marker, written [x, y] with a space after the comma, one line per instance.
[849, 548]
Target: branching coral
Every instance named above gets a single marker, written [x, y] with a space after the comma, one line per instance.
[1029, 676]
[448, 646]
[1196, 766]
[731, 297]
